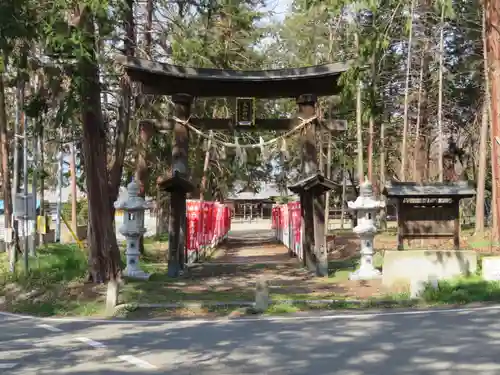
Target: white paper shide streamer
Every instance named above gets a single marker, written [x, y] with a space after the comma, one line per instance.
[241, 154]
[218, 147]
[284, 150]
[264, 150]
[222, 153]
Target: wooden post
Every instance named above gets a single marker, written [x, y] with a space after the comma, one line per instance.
[456, 229]
[328, 174]
[309, 202]
[306, 109]
[399, 207]
[177, 221]
[308, 260]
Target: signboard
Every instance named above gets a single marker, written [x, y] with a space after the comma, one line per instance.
[245, 111]
[428, 220]
[20, 207]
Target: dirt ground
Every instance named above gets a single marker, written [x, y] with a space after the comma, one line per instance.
[252, 254]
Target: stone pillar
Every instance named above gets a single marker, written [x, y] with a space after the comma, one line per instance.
[366, 208]
[133, 229]
[177, 221]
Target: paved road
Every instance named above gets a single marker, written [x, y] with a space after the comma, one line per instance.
[453, 342]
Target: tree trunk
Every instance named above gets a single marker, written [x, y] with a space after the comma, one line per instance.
[481, 171]
[440, 99]
[104, 254]
[4, 152]
[492, 8]
[146, 130]
[424, 140]
[404, 147]
[123, 121]
[483, 141]
[417, 125]
[359, 124]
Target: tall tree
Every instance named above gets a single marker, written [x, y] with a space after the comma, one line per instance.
[493, 44]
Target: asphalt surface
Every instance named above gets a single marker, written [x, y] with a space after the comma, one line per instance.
[447, 342]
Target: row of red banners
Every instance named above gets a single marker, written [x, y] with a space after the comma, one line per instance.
[207, 225]
[287, 223]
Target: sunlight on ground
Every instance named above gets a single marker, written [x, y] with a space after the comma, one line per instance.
[56, 287]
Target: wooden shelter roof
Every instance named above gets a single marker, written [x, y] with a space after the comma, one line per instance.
[462, 189]
[166, 79]
[316, 182]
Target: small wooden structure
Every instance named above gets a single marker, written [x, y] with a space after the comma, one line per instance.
[248, 204]
[312, 191]
[428, 210]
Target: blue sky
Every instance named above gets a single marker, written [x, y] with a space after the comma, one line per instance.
[278, 7]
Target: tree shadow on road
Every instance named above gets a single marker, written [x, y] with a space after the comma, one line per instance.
[419, 344]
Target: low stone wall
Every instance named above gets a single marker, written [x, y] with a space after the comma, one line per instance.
[66, 236]
[401, 267]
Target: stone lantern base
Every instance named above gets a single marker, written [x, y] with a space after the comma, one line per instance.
[366, 273]
[132, 252]
[136, 274]
[366, 270]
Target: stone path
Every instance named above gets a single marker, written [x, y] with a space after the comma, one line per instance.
[252, 252]
[253, 244]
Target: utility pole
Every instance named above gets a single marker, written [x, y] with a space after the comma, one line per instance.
[33, 189]
[34, 175]
[25, 196]
[72, 168]
[11, 237]
[59, 190]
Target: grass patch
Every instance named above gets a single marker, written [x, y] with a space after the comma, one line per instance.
[54, 284]
[53, 264]
[179, 291]
[462, 291]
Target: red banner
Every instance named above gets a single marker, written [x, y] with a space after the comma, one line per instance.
[193, 216]
[287, 222]
[207, 224]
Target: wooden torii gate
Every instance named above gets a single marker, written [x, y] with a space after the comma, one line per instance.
[304, 84]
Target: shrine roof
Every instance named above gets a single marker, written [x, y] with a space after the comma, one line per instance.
[462, 189]
[168, 79]
[316, 182]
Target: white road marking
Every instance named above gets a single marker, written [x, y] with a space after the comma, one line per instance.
[137, 362]
[92, 343]
[364, 315]
[49, 328]
[8, 365]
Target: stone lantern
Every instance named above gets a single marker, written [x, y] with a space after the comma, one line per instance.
[132, 229]
[366, 208]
